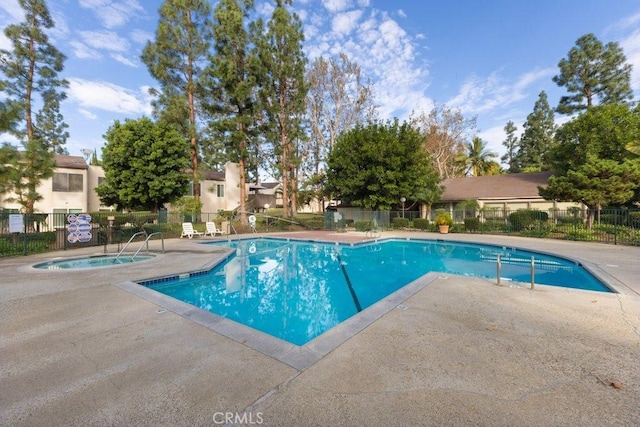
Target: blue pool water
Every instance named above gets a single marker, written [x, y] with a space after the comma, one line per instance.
[297, 290]
[90, 262]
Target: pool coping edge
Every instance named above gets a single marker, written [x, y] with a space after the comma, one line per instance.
[298, 357]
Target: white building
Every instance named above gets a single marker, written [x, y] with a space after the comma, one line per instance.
[72, 189]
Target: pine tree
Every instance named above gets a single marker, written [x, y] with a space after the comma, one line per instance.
[32, 67]
[233, 83]
[511, 143]
[175, 59]
[593, 70]
[284, 93]
[537, 138]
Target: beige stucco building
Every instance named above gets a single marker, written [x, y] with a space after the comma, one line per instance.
[508, 192]
[72, 189]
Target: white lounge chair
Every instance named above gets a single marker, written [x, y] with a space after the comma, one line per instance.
[212, 230]
[188, 231]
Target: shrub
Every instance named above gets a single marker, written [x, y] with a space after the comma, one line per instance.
[363, 225]
[471, 224]
[399, 222]
[524, 218]
[421, 223]
[313, 223]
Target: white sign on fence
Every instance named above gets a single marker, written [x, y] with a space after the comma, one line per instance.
[79, 228]
[16, 223]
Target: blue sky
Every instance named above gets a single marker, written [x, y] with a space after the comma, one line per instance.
[488, 58]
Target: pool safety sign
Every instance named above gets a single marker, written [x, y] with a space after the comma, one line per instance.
[16, 223]
[79, 228]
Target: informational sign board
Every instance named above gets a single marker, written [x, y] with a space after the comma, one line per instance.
[79, 228]
[16, 223]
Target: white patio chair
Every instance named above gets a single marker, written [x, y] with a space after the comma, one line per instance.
[189, 231]
[212, 230]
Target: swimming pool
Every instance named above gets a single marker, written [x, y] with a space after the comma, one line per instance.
[90, 262]
[296, 290]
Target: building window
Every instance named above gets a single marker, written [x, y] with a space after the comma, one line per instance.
[67, 182]
[191, 193]
[220, 190]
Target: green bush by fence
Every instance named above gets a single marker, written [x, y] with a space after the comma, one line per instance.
[399, 222]
[421, 223]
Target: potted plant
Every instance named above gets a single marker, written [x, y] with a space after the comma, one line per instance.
[444, 221]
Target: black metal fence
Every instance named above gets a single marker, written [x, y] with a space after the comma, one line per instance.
[616, 226]
[23, 234]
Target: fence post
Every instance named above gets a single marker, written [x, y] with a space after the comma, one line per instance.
[498, 268]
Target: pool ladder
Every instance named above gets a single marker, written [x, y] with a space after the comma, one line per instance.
[146, 241]
[533, 271]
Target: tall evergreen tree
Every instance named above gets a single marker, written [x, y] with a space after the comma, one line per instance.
[31, 68]
[233, 85]
[590, 70]
[591, 163]
[175, 59]
[284, 93]
[537, 138]
[512, 144]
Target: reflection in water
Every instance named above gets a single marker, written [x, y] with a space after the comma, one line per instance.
[291, 291]
[298, 290]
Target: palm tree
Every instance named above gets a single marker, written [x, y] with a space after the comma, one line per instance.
[634, 147]
[478, 159]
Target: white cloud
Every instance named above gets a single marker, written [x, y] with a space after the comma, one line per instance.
[345, 23]
[107, 40]
[477, 95]
[87, 114]
[82, 51]
[13, 9]
[401, 13]
[336, 5]
[113, 14]
[265, 10]
[631, 47]
[624, 24]
[125, 61]
[108, 96]
[141, 37]
[385, 53]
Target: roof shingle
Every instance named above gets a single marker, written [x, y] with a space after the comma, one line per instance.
[514, 185]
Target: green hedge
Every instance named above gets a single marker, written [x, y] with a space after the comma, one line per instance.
[526, 218]
[399, 222]
[472, 224]
[363, 225]
[421, 223]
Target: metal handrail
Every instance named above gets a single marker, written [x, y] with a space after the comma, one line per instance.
[147, 242]
[127, 244]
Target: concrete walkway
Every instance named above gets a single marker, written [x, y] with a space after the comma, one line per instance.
[83, 348]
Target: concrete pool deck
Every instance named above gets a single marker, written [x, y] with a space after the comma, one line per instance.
[79, 348]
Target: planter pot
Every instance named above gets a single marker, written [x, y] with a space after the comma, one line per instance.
[443, 229]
